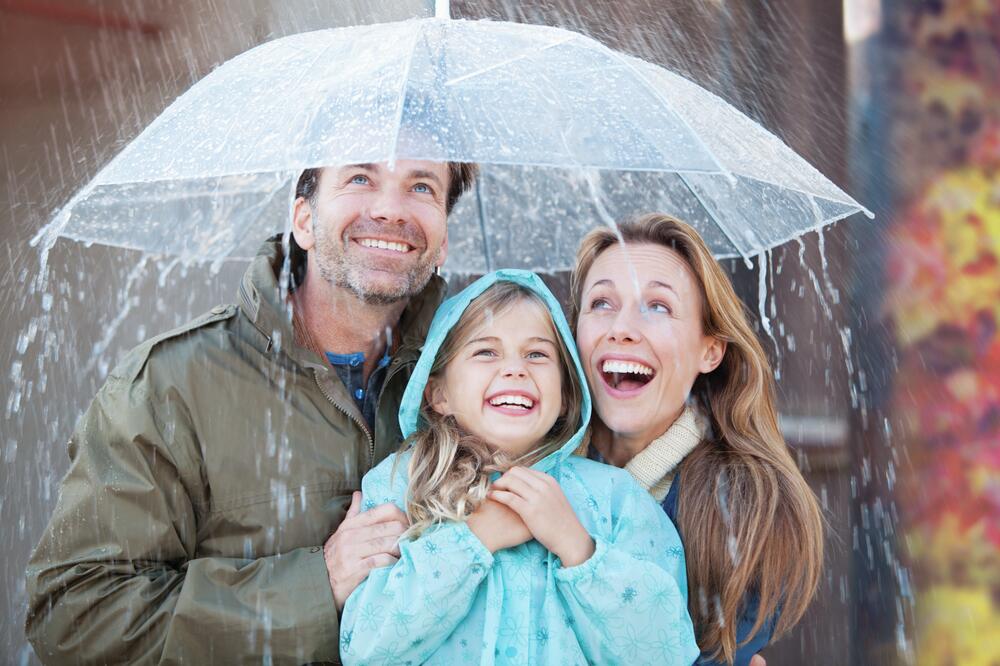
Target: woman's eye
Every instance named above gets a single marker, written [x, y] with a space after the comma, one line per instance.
[600, 304]
[359, 179]
[656, 306]
[423, 188]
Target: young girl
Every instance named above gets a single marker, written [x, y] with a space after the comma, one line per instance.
[518, 551]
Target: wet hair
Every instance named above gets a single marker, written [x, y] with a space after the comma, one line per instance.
[449, 470]
[461, 178]
[748, 519]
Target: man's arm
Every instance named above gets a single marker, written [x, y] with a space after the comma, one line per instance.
[115, 579]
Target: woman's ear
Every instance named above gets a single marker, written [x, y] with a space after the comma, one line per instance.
[712, 354]
[436, 397]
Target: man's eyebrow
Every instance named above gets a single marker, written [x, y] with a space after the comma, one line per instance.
[426, 175]
[364, 166]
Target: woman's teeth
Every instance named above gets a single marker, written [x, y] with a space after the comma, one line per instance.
[626, 367]
[512, 400]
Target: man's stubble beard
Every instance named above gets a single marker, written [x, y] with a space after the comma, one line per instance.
[338, 270]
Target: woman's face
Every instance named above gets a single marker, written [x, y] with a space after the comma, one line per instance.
[640, 338]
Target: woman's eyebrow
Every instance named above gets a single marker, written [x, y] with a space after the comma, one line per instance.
[662, 285]
[602, 283]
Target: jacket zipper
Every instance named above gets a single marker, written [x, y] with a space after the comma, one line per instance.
[364, 428]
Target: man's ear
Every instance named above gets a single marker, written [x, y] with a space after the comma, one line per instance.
[436, 397]
[443, 254]
[712, 354]
[302, 224]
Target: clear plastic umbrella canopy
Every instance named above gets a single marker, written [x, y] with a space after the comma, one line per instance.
[569, 134]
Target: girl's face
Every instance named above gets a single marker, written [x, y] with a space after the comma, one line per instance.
[642, 344]
[505, 383]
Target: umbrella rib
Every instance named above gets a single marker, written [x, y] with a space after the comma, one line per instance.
[715, 218]
[504, 63]
[656, 93]
[402, 92]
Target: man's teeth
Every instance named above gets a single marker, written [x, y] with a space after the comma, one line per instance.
[518, 400]
[385, 245]
[626, 367]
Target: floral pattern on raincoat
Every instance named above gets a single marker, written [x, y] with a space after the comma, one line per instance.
[448, 600]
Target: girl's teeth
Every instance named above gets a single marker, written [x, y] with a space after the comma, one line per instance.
[515, 400]
[625, 367]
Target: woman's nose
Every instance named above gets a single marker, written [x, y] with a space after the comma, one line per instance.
[623, 329]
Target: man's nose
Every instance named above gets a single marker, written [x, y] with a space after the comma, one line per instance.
[387, 206]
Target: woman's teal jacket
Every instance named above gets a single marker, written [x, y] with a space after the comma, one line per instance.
[448, 600]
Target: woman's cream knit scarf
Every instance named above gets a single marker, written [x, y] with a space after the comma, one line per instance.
[654, 466]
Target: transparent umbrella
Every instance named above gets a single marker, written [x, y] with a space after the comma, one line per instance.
[569, 134]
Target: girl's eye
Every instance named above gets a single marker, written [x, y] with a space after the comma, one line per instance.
[422, 188]
[359, 179]
[484, 352]
[535, 355]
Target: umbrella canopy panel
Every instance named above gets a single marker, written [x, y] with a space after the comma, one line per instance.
[568, 133]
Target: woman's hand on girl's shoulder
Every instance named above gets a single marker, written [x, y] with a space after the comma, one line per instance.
[497, 526]
[541, 503]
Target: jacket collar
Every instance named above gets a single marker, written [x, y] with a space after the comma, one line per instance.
[264, 304]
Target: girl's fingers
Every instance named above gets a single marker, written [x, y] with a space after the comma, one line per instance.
[509, 499]
[515, 484]
[537, 480]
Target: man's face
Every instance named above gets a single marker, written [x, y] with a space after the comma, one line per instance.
[378, 231]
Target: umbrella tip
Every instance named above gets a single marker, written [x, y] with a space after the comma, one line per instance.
[442, 9]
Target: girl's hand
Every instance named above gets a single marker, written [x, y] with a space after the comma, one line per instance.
[537, 498]
[497, 526]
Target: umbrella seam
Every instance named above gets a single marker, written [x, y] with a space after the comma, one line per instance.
[402, 93]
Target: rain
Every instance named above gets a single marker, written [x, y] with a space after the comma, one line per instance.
[882, 332]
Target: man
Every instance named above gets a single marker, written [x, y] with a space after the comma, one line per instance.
[194, 524]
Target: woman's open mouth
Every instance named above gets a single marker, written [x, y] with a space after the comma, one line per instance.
[626, 376]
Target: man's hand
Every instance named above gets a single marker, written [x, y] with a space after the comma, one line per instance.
[497, 526]
[542, 505]
[362, 542]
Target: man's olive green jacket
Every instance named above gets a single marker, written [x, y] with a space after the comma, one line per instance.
[205, 478]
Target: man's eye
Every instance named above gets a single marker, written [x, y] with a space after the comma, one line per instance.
[423, 188]
[359, 179]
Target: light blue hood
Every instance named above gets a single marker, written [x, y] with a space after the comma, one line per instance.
[445, 319]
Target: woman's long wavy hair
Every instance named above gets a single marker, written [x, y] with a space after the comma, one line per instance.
[450, 468]
[748, 520]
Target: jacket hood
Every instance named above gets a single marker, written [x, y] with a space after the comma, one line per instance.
[445, 319]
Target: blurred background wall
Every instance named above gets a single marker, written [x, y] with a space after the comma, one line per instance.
[886, 349]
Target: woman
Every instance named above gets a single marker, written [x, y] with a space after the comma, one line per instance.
[684, 400]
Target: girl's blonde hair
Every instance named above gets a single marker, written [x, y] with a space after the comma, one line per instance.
[449, 470]
[747, 517]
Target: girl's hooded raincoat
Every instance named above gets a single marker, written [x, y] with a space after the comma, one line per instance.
[448, 600]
